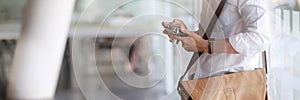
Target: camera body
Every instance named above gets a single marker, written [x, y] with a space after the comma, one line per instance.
[175, 30]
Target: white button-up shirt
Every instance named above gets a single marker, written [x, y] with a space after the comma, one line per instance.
[245, 23]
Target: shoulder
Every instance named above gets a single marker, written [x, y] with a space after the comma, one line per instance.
[242, 3]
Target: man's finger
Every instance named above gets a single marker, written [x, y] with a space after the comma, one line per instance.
[192, 34]
[164, 24]
[176, 22]
[165, 32]
[177, 38]
[168, 33]
[184, 30]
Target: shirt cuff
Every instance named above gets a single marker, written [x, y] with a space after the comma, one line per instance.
[238, 44]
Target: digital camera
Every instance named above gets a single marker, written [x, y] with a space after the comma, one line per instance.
[175, 30]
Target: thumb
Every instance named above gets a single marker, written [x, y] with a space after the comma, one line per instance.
[184, 30]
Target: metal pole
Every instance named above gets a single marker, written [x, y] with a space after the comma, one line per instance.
[39, 51]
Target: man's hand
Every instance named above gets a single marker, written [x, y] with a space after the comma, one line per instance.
[193, 43]
[175, 22]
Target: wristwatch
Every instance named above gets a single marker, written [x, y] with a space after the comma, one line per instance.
[211, 45]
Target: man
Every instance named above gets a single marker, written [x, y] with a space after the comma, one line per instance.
[241, 34]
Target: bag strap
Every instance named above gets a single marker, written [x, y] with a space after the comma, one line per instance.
[207, 34]
[265, 61]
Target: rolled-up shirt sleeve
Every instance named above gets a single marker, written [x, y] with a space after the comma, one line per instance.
[255, 37]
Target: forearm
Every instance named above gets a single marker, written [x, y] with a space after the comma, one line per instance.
[219, 46]
[223, 46]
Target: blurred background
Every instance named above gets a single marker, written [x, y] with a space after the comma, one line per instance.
[115, 50]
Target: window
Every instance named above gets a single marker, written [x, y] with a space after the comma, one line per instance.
[120, 22]
[284, 51]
